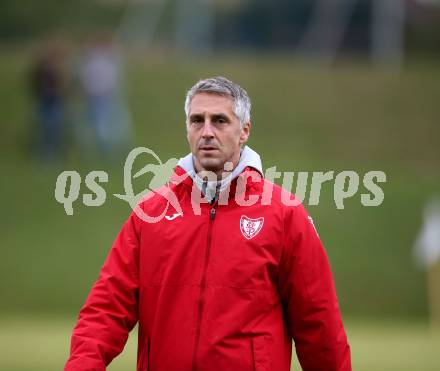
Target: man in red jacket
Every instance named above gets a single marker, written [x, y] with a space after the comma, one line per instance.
[232, 273]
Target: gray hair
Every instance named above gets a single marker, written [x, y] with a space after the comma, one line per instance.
[222, 86]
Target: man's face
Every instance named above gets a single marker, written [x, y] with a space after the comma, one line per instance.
[214, 132]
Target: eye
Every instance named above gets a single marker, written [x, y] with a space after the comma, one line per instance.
[196, 120]
[220, 120]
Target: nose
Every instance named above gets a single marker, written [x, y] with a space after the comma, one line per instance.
[207, 130]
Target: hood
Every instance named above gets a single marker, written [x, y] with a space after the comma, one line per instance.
[210, 189]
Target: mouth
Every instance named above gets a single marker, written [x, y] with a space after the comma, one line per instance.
[208, 148]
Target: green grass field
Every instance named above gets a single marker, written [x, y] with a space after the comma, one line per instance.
[305, 118]
[37, 344]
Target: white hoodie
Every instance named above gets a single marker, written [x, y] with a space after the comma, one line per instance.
[248, 157]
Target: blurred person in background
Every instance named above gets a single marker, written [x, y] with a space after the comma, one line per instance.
[226, 288]
[100, 75]
[427, 254]
[49, 92]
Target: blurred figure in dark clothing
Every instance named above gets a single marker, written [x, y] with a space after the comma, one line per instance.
[48, 88]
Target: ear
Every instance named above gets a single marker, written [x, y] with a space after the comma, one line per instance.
[245, 131]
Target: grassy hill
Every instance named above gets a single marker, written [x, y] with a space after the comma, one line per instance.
[305, 118]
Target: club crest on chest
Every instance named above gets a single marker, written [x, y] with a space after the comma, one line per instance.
[250, 227]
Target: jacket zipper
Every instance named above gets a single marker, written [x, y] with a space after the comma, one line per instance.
[203, 287]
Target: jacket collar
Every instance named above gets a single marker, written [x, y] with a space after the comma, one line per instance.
[249, 161]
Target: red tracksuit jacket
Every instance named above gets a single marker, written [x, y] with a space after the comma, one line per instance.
[224, 290]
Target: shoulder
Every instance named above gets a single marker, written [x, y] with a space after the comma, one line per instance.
[278, 196]
[284, 202]
[156, 203]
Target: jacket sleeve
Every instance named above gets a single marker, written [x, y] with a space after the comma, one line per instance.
[111, 309]
[309, 297]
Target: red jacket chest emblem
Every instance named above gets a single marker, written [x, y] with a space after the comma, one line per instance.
[250, 227]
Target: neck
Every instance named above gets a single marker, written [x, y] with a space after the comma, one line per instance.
[222, 172]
